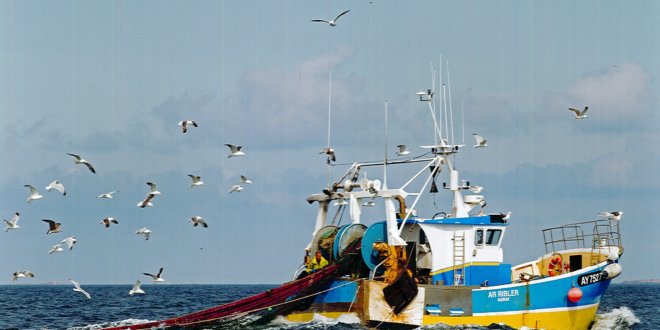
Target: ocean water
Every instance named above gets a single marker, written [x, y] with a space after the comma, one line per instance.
[58, 307]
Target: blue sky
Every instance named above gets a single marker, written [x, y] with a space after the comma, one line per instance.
[110, 80]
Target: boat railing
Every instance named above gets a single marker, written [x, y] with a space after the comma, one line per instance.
[599, 234]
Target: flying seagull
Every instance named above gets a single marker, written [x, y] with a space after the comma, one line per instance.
[184, 125]
[34, 194]
[147, 201]
[475, 189]
[331, 22]
[144, 231]
[614, 215]
[57, 185]
[245, 180]
[156, 278]
[53, 227]
[580, 114]
[236, 188]
[70, 241]
[153, 190]
[481, 142]
[197, 220]
[403, 150]
[56, 248]
[234, 151]
[11, 223]
[79, 160]
[79, 289]
[196, 180]
[330, 152]
[107, 221]
[106, 195]
[136, 289]
[22, 274]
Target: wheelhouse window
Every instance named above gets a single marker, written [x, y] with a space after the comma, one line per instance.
[493, 236]
[479, 237]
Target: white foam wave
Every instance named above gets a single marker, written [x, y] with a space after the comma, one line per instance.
[111, 324]
[618, 319]
[317, 321]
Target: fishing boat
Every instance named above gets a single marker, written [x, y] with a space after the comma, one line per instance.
[413, 266]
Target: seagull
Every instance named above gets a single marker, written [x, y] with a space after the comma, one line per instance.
[369, 203]
[580, 114]
[184, 125]
[11, 224]
[481, 142]
[245, 180]
[475, 189]
[403, 150]
[197, 220]
[136, 289]
[144, 231]
[156, 278]
[614, 215]
[34, 194]
[147, 201]
[79, 289]
[57, 185]
[196, 180]
[106, 195]
[22, 274]
[331, 22]
[330, 152]
[236, 188]
[53, 227]
[79, 160]
[56, 248]
[70, 241]
[107, 221]
[153, 190]
[506, 216]
[235, 151]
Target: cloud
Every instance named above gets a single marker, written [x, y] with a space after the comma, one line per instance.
[618, 95]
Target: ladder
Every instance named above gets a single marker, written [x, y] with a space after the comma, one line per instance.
[459, 257]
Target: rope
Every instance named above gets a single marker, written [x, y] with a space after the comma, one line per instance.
[354, 297]
[267, 307]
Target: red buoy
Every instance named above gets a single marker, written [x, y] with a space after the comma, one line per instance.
[574, 294]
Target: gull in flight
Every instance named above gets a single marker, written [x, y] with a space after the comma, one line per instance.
[331, 22]
[580, 114]
[107, 221]
[11, 223]
[144, 231]
[196, 180]
[79, 160]
[481, 142]
[403, 150]
[70, 241]
[235, 151]
[107, 195]
[147, 201]
[197, 220]
[475, 189]
[136, 289]
[34, 194]
[53, 227]
[245, 180]
[57, 185]
[184, 125]
[153, 190]
[614, 215]
[330, 152]
[79, 289]
[156, 278]
[56, 248]
[22, 274]
[236, 188]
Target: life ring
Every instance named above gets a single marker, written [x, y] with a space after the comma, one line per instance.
[555, 267]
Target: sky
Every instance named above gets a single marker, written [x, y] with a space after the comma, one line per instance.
[110, 80]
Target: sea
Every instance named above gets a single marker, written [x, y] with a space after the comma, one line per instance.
[625, 306]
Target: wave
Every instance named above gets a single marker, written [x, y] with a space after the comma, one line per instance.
[621, 318]
[110, 324]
